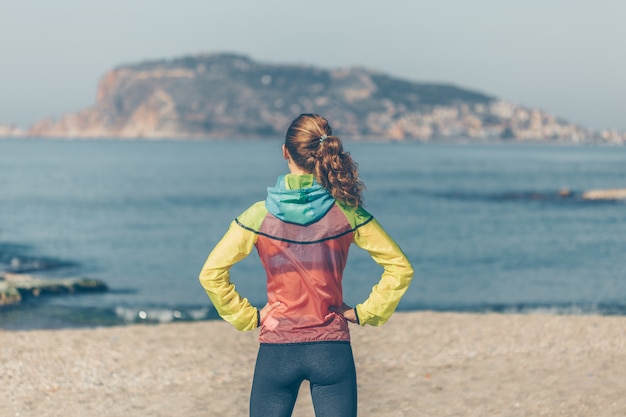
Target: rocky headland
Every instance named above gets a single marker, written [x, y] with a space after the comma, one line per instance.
[233, 96]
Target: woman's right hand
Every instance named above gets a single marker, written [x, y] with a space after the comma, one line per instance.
[346, 311]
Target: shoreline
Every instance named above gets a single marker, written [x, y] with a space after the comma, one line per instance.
[420, 363]
[36, 313]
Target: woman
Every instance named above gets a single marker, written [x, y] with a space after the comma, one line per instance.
[302, 232]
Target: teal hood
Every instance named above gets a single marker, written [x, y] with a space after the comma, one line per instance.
[298, 199]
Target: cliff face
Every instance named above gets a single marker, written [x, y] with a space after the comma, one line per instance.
[232, 96]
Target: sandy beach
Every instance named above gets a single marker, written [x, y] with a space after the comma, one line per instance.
[418, 364]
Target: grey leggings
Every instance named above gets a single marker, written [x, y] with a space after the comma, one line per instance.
[281, 368]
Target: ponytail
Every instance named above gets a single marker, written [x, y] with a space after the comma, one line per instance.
[312, 146]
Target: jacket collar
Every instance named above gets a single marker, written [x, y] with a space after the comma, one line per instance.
[298, 199]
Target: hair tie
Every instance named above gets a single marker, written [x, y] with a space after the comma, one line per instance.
[323, 137]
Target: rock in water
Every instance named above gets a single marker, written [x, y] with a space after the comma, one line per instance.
[609, 194]
[15, 287]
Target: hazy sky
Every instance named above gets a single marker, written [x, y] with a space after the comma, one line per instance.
[563, 56]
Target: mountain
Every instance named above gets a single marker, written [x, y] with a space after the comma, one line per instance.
[233, 96]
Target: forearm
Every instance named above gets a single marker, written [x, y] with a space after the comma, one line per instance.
[395, 279]
[236, 244]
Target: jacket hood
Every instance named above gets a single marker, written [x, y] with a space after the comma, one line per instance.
[298, 199]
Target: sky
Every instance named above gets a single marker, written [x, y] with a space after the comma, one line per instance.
[565, 57]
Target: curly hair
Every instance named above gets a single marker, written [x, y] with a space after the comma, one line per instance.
[313, 147]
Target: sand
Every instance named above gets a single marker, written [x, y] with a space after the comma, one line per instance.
[418, 364]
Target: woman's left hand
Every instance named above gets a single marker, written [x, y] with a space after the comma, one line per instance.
[346, 311]
[265, 311]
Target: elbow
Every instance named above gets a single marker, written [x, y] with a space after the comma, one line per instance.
[409, 268]
[203, 279]
[210, 279]
[408, 272]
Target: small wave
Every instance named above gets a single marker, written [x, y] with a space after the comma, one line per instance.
[18, 259]
[159, 315]
[30, 316]
[575, 309]
[514, 196]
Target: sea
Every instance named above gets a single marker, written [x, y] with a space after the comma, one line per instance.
[498, 228]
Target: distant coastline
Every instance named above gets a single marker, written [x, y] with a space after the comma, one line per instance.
[221, 96]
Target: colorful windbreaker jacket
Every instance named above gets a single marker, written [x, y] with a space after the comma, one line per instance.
[302, 236]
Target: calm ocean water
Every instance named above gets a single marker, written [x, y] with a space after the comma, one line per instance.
[484, 225]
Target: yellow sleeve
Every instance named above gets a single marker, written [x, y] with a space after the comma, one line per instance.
[234, 246]
[396, 277]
